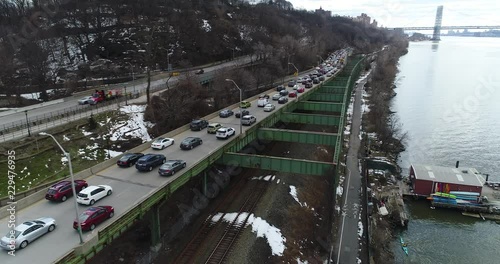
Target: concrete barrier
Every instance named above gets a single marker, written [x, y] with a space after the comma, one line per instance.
[23, 203]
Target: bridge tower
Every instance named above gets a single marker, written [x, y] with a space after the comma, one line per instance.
[437, 25]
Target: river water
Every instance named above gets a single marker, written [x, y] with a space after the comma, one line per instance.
[448, 99]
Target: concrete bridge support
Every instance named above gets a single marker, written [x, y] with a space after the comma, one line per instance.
[154, 226]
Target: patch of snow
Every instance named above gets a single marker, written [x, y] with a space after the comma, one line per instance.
[293, 193]
[25, 168]
[340, 190]
[229, 15]
[261, 228]
[64, 160]
[278, 181]
[46, 166]
[360, 229]
[65, 138]
[299, 261]
[206, 26]
[268, 178]
[112, 153]
[134, 127]
[85, 133]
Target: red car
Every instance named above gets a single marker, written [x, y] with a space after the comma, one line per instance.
[93, 216]
[300, 90]
[62, 190]
[292, 94]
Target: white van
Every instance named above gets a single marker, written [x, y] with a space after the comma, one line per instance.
[262, 102]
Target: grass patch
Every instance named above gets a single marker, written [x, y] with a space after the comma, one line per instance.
[39, 159]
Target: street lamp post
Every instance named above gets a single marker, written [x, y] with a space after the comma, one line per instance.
[241, 99]
[296, 70]
[72, 183]
[133, 77]
[27, 123]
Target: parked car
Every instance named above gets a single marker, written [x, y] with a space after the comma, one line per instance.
[149, 161]
[86, 100]
[92, 194]
[170, 167]
[63, 189]
[248, 120]
[225, 132]
[212, 128]
[27, 232]
[243, 113]
[283, 100]
[262, 102]
[283, 92]
[93, 216]
[291, 83]
[280, 87]
[129, 159]
[321, 78]
[295, 87]
[276, 96]
[245, 104]
[161, 143]
[269, 107]
[300, 90]
[198, 124]
[308, 85]
[315, 80]
[264, 96]
[191, 142]
[226, 113]
[292, 94]
[200, 71]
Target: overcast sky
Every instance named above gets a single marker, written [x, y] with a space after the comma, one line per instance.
[404, 13]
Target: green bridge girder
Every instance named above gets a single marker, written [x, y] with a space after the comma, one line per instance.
[313, 119]
[319, 106]
[327, 97]
[278, 164]
[307, 137]
[332, 89]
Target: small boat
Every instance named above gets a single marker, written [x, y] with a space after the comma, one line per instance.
[403, 245]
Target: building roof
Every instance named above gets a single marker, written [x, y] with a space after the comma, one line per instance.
[462, 176]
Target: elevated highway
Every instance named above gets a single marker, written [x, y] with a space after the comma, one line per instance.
[137, 195]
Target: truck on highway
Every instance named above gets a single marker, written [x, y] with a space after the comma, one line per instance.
[100, 96]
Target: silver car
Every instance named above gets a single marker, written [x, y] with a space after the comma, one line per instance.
[86, 100]
[27, 232]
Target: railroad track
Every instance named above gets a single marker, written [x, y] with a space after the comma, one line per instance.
[190, 251]
[234, 229]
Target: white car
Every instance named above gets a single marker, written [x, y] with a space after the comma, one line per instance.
[161, 143]
[262, 102]
[276, 96]
[27, 232]
[225, 132]
[269, 107]
[92, 194]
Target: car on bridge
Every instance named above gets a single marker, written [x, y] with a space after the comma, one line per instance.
[308, 85]
[292, 94]
[248, 120]
[86, 100]
[93, 216]
[200, 71]
[280, 87]
[161, 143]
[92, 194]
[212, 128]
[198, 124]
[191, 142]
[283, 100]
[269, 107]
[63, 189]
[149, 161]
[27, 232]
[300, 90]
[243, 113]
[245, 104]
[225, 132]
[276, 96]
[284, 92]
[226, 113]
[170, 167]
[129, 159]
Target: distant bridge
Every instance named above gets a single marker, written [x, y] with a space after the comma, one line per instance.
[437, 26]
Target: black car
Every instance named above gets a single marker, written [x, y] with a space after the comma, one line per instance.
[315, 80]
[191, 142]
[243, 113]
[198, 124]
[170, 167]
[308, 85]
[149, 161]
[280, 87]
[291, 83]
[200, 71]
[226, 113]
[266, 96]
[283, 100]
[283, 92]
[129, 159]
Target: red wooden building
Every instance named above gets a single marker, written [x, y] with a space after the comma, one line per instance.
[427, 179]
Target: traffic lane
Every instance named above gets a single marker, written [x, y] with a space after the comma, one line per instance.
[64, 237]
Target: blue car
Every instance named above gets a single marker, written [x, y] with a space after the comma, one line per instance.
[150, 161]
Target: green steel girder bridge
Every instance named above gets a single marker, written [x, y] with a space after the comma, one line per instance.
[331, 99]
